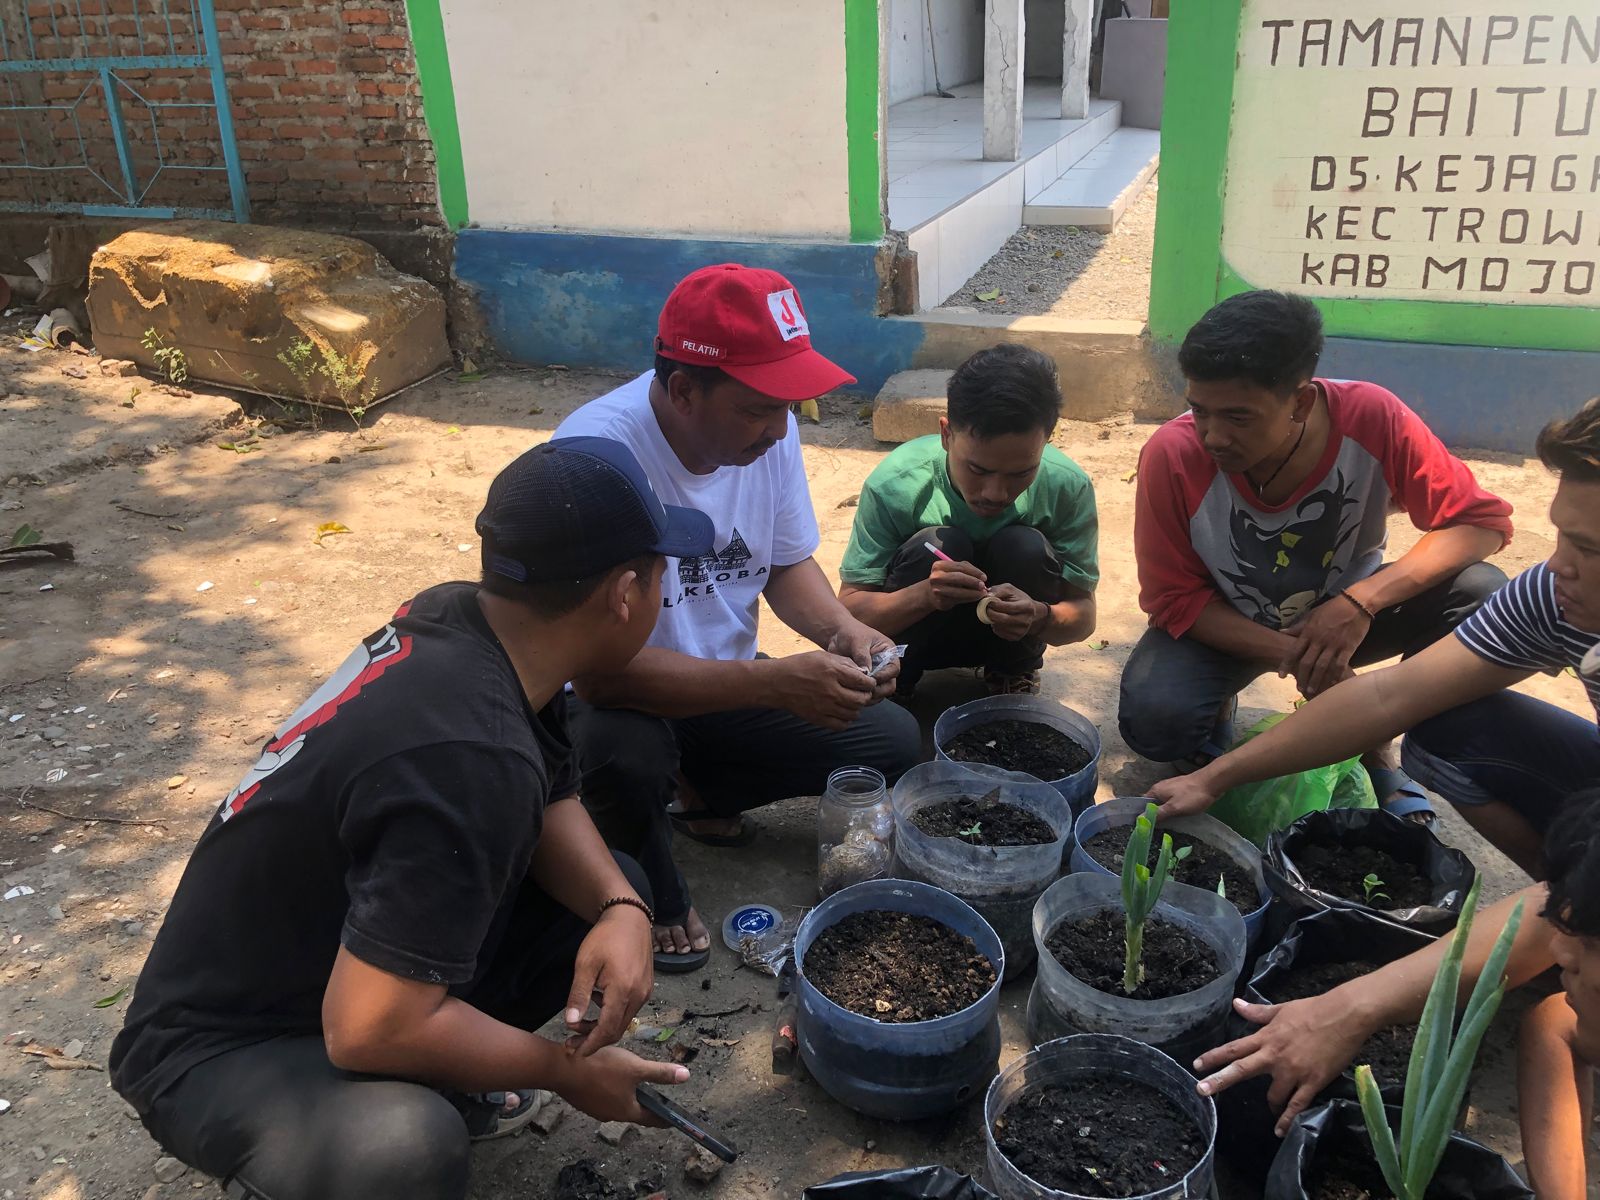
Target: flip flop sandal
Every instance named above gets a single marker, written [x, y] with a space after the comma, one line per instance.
[669, 963]
[1411, 803]
[486, 1116]
[680, 822]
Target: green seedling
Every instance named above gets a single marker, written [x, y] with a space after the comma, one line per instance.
[1222, 886]
[1373, 887]
[1141, 888]
[972, 831]
[1441, 1061]
[174, 363]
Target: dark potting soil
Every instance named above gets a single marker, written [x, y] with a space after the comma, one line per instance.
[1093, 949]
[1387, 1052]
[985, 821]
[895, 967]
[1346, 1174]
[1201, 868]
[1026, 746]
[1339, 870]
[582, 1180]
[1101, 1137]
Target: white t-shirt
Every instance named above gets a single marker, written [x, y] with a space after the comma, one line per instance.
[762, 515]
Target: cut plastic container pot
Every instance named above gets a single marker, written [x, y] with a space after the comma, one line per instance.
[909, 1070]
[1001, 882]
[1125, 810]
[1077, 1062]
[1182, 1026]
[1078, 787]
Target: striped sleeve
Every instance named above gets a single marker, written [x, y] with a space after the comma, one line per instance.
[1518, 627]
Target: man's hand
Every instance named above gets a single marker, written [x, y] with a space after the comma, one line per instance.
[1013, 614]
[1324, 641]
[1182, 796]
[953, 583]
[823, 688]
[603, 1085]
[1303, 1045]
[860, 643]
[616, 968]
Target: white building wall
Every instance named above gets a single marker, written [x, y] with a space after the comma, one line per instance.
[957, 37]
[712, 118]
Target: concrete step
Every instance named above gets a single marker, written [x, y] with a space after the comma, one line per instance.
[909, 405]
[1097, 189]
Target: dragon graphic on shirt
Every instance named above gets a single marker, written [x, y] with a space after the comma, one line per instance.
[1284, 568]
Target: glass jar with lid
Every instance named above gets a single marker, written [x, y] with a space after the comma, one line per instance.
[855, 830]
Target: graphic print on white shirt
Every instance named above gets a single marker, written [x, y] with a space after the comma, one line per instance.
[761, 512]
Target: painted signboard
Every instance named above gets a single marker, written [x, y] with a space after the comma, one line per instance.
[1428, 172]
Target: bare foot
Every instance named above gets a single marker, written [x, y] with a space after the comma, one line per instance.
[689, 936]
[717, 826]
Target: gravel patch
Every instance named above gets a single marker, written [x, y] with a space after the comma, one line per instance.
[1065, 271]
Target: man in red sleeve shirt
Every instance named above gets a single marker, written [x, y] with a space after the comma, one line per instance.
[1259, 532]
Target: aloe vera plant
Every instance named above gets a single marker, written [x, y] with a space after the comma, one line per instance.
[1441, 1060]
[1141, 888]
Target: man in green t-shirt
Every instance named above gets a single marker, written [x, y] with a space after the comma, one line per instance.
[976, 547]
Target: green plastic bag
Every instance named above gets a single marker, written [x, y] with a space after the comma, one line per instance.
[1258, 810]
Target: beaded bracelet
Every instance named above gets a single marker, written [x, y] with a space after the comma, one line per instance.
[632, 902]
[1367, 612]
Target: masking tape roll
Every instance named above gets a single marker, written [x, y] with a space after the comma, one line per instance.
[983, 610]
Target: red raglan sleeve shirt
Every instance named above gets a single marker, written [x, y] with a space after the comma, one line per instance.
[1175, 473]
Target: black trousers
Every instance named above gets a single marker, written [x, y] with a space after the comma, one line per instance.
[1019, 555]
[277, 1121]
[737, 760]
[1173, 687]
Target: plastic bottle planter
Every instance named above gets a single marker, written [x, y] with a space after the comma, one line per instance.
[1078, 1062]
[1078, 787]
[1448, 872]
[905, 1071]
[1341, 935]
[855, 830]
[1002, 882]
[1468, 1171]
[1125, 810]
[1181, 1026]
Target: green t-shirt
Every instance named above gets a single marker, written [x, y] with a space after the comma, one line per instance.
[911, 490]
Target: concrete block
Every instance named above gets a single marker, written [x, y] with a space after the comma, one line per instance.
[909, 405]
[240, 300]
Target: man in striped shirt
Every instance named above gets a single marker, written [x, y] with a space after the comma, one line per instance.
[1505, 760]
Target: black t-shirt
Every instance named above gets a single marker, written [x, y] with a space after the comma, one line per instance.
[395, 812]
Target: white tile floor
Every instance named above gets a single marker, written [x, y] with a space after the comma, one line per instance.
[1096, 190]
[958, 209]
[935, 148]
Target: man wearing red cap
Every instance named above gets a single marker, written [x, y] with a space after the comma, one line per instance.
[699, 728]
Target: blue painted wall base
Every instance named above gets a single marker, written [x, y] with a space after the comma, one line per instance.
[592, 301]
[1473, 396]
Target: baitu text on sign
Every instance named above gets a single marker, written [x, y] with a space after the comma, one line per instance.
[1450, 157]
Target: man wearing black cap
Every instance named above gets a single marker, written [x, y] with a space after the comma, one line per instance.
[405, 884]
[700, 728]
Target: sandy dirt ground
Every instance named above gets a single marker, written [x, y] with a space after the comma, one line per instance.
[201, 609]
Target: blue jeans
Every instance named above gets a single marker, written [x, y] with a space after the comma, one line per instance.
[1506, 747]
[1172, 687]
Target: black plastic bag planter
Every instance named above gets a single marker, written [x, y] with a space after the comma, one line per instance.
[1245, 1122]
[1468, 1170]
[1448, 871]
[904, 1183]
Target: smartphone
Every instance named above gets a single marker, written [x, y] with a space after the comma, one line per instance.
[654, 1102]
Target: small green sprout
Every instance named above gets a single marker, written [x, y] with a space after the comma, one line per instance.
[1373, 887]
[1141, 888]
[972, 831]
[1441, 1061]
[1222, 886]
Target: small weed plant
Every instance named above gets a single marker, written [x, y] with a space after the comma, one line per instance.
[1141, 888]
[174, 363]
[326, 375]
[1373, 887]
[1441, 1061]
[972, 831]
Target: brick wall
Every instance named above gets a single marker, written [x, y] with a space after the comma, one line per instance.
[326, 106]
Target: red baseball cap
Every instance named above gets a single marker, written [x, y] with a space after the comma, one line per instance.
[750, 323]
